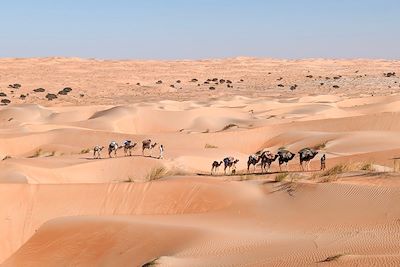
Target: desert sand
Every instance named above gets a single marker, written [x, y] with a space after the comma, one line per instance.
[61, 207]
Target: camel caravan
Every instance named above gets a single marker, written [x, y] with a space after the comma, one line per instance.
[265, 158]
[128, 146]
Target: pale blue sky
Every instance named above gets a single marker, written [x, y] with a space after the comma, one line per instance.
[192, 29]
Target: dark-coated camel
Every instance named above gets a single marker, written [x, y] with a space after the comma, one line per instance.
[306, 155]
[229, 162]
[214, 167]
[266, 161]
[284, 157]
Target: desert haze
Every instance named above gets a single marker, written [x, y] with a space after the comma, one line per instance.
[64, 205]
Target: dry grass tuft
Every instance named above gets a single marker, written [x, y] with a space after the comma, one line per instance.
[231, 125]
[332, 258]
[129, 180]
[6, 157]
[320, 146]
[281, 176]
[210, 146]
[37, 153]
[367, 166]
[151, 263]
[85, 151]
[336, 170]
[156, 174]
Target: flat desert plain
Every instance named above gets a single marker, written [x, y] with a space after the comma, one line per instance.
[61, 207]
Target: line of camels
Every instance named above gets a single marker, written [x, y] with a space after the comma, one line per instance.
[127, 145]
[266, 158]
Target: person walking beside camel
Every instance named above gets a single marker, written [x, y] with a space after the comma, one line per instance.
[161, 152]
[323, 162]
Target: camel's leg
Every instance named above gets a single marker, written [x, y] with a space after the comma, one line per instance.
[287, 166]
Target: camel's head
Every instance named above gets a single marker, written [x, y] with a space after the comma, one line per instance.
[101, 148]
[235, 161]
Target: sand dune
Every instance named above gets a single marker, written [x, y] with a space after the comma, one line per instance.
[335, 219]
[61, 207]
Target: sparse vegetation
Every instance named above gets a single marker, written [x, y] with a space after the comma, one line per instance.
[151, 263]
[320, 146]
[332, 258]
[37, 153]
[367, 166]
[85, 151]
[129, 180]
[210, 146]
[281, 176]
[231, 125]
[6, 157]
[156, 174]
[336, 170]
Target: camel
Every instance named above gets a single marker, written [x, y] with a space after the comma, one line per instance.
[146, 144]
[266, 159]
[284, 157]
[214, 167]
[96, 152]
[113, 146]
[253, 160]
[229, 162]
[306, 155]
[128, 147]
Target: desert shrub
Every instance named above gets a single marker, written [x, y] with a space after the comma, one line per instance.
[151, 263]
[37, 153]
[320, 146]
[367, 166]
[129, 180]
[231, 125]
[336, 170]
[332, 258]
[281, 176]
[156, 174]
[328, 179]
[85, 151]
[210, 146]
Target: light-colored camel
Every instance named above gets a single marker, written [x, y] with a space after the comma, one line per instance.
[146, 144]
[97, 152]
[215, 166]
